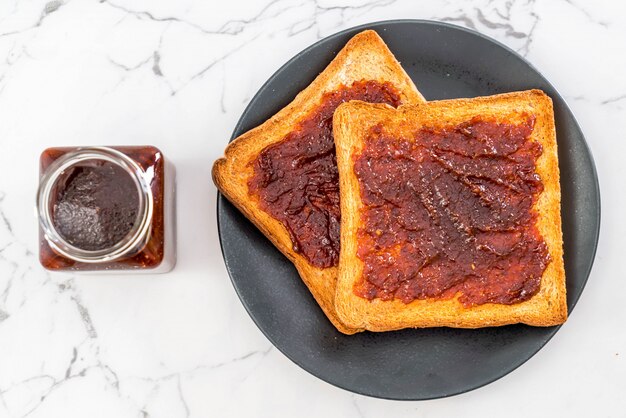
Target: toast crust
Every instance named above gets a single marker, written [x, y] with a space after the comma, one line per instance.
[352, 122]
[365, 57]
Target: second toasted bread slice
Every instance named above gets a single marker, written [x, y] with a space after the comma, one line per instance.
[446, 218]
[283, 178]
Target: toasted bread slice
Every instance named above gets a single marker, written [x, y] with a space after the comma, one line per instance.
[364, 58]
[352, 123]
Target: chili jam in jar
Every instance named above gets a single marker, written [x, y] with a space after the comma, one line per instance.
[106, 209]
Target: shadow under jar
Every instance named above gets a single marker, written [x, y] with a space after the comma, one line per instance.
[106, 209]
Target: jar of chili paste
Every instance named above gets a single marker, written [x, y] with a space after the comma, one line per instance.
[106, 209]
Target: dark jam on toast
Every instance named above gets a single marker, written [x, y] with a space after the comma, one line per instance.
[296, 180]
[451, 211]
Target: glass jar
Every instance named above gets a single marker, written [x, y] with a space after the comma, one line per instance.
[106, 209]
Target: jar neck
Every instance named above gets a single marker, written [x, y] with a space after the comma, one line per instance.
[134, 240]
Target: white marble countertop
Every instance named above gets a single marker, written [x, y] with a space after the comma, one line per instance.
[177, 74]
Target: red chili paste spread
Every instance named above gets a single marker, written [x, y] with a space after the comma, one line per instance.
[451, 211]
[296, 179]
[96, 205]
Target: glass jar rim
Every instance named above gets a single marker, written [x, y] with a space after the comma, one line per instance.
[141, 227]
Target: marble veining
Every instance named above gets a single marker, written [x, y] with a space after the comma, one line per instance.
[177, 74]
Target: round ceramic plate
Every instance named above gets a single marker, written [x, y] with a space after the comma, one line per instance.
[445, 61]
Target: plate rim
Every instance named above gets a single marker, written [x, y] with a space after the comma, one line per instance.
[376, 25]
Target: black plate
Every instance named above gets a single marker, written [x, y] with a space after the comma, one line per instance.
[445, 61]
